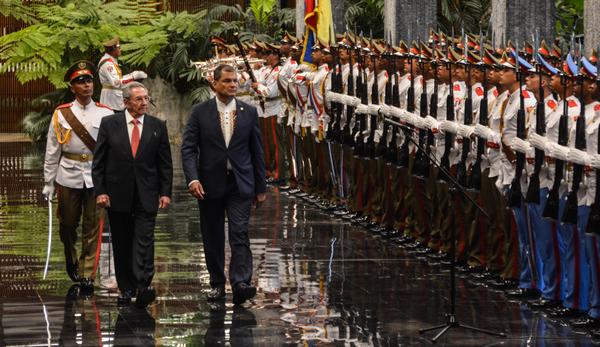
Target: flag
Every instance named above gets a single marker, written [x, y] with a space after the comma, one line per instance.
[319, 26]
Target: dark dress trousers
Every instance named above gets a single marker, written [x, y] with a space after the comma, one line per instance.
[204, 156]
[134, 186]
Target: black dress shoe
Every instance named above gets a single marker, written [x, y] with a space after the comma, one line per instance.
[73, 271]
[125, 297]
[216, 294]
[543, 304]
[389, 233]
[564, 312]
[595, 335]
[243, 292]
[87, 287]
[73, 292]
[144, 297]
[522, 293]
[585, 323]
[502, 284]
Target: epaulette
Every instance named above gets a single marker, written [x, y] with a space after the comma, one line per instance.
[597, 107]
[457, 87]
[102, 105]
[552, 104]
[525, 94]
[479, 91]
[496, 92]
[69, 104]
[572, 103]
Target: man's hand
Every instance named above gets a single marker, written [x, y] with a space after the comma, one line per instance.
[164, 202]
[259, 199]
[197, 190]
[103, 201]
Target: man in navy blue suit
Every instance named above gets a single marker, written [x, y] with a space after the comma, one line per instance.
[224, 167]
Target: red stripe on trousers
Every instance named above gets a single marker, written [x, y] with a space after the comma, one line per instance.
[274, 132]
[101, 227]
[557, 263]
[577, 289]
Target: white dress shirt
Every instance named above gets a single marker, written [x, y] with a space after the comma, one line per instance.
[129, 120]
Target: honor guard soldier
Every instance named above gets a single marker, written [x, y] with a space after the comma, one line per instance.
[111, 76]
[68, 167]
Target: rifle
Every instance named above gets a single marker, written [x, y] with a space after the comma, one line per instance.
[357, 140]
[370, 145]
[335, 75]
[570, 212]
[360, 147]
[421, 164]
[433, 103]
[475, 179]
[533, 191]
[593, 225]
[236, 36]
[516, 196]
[347, 135]
[392, 151]
[410, 107]
[461, 174]
[381, 150]
[448, 137]
[552, 204]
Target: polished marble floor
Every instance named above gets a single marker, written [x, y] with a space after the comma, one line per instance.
[321, 282]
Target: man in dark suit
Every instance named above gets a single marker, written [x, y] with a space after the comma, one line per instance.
[133, 176]
[224, 167]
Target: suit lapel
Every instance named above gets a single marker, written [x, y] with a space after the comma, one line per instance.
[216, 120]
[147, 131]
[124, 134]
[239, 114]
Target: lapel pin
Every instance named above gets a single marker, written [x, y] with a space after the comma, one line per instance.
[241, 108]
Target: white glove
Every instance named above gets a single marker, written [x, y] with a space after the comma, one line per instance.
[139, 75]
[431, 122]
[559, 152]
[362, 109]
[595, 161]
[331, 96]
[412, 118]
[538, 141]
[374, 109]
[483, 131]
[396, 112]
[520, 145]
[347, 100]
[465, 130]
[354, 101]
[386, 110]
[48, 191]
[578, 157]
[419, 122]
[448, 126]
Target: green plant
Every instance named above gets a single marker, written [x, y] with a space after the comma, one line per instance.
[472, 15]
[261, 20]
[568, 13]
[66, 31]
[360, 16]
[36, 122]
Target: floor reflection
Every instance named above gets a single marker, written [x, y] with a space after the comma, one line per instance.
[321, 282]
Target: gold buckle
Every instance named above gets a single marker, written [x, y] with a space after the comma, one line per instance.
[84, 157]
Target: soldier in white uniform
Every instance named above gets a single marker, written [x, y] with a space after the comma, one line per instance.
[111, 76]
[68, 167]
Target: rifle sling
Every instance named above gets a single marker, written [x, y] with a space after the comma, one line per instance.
[78, 128]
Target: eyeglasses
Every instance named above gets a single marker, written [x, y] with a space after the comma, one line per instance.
[140, 99]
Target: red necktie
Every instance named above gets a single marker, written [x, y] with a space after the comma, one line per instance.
[135, 137]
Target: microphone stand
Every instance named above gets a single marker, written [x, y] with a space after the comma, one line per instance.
[454, 189]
